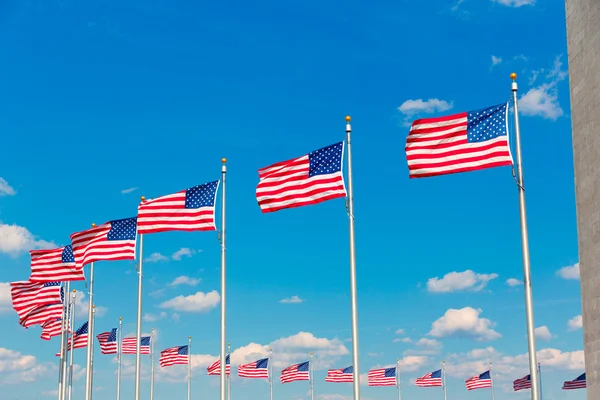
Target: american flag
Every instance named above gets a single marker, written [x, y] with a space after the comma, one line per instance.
[42, 314]
[52, 328]
[174, 355]
[481, 381]
[578, 383]
[431, 379]
[522, 383]
[114, 240]
[215, 368]
[340, 375]
[80, 339]
[296, 372]
[54, 265]
[310, 179]
[461, 142]
[27, 296]
[382, 377]
[129, 344]
[108, 341]
[192, 209]
[255, 369]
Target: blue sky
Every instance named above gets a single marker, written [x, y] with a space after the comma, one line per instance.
[106, 102]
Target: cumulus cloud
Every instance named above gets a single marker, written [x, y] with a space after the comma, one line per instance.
[542, 100]
[495, 61]
[5, 299]
[149, 317]
[16, 239]
[459, 281]
[155, 257]
[402, 340]
[183, 252]
[543, 333]
[575, 323]
[6, 189]
[569, 272]
[515, 3]
[16, 367]
[400, 331]
[199, 302]
[512, 282]
[291, 300]
[82, 306]
[464, 323]
[132, 189]
[185, 280]
[420, 106]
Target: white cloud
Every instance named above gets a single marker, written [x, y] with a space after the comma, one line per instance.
[512, 282]
[575, 323]
[18, 368]
[6, 189]
[293, 300]
[155, 257]
[402, 340]
[400, 331]
[543, 333]
[542, 100]
[183, 252]
[429, 343]
[149, 317]
[457, 281]
[199, 302]
[5, 298]
[82, 307]
[495, 61]
[412, 107]
[125, 191]
[185, 280]
[515, 3]
[569, 272]
[16, 239]
[464, 323]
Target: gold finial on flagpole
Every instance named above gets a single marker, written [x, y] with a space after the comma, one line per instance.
[348, 119]
[513, 76]
[93, 225]
[143, 198]
[223, 160]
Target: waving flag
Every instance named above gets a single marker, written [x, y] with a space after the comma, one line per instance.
[431, 379]
[129, 345]
[54, 265]
[174, 355]
[382, 377]
[310, 179]
[27, 296]
[215, 368]
[296, 372]
[192, 209]
[461, 142]
[108, 341]
[42, 314]
[52, 328]
[340, 375]
[481, 381]
[114, 240]
[522, 383]
[578, 383]
[80, 339]
[255, 369]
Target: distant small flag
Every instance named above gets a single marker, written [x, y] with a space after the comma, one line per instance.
[215, 368]
[27, 296]
[54, 265]
[310, 179]
[522, 383]
[80, 339]
[432, 379]
[129, 345]
[114, 240]
[192, 209]
[52, 328]
[382, 377]
[255, 369]
[340, 375]
[108, 341]
[578, 383]
[296, 372]
[174, 355]
[42, 314]
[462, 142]
[481, 381]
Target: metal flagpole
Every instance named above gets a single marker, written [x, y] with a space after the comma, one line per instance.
[152, 366]
[354, 302]
[229, 376]
[223, 277]
[444, 377]
[63, 353]
[540, 375]
[398, 379]
[90, 342]
[491, 382]
[271, 373]
[92, 363]
[67, 311]
[138, 367]
[189, 368]
[312, 378]
[525, 244]
[119, 355]
[72, 324]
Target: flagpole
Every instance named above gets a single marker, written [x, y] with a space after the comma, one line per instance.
[67, 309]
[491, 381]
[119, 354]
[525, 245]
[90, 341]
[152, 367]
[540, 376]
[353, 296]
[138, 359]
[398, 379]
[271, 373]
[72, 324]
[189, 368]
[229, 376]
[444, 377]
[312, 378]
[223, 282]
[93, 323]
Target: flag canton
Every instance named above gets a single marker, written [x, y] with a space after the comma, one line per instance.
[145, 341]
[262, 363]
[83, 330]
[436, 374]
[122, 229]
[183, 350]
[581, 377]
[485, 375]
[113, 335]
[227, 360]
[327, 160]
[389, 372]
[67, 255]
[349, 370]
[303, 366]
[50, 284]
[201, 195]
[486, 124]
